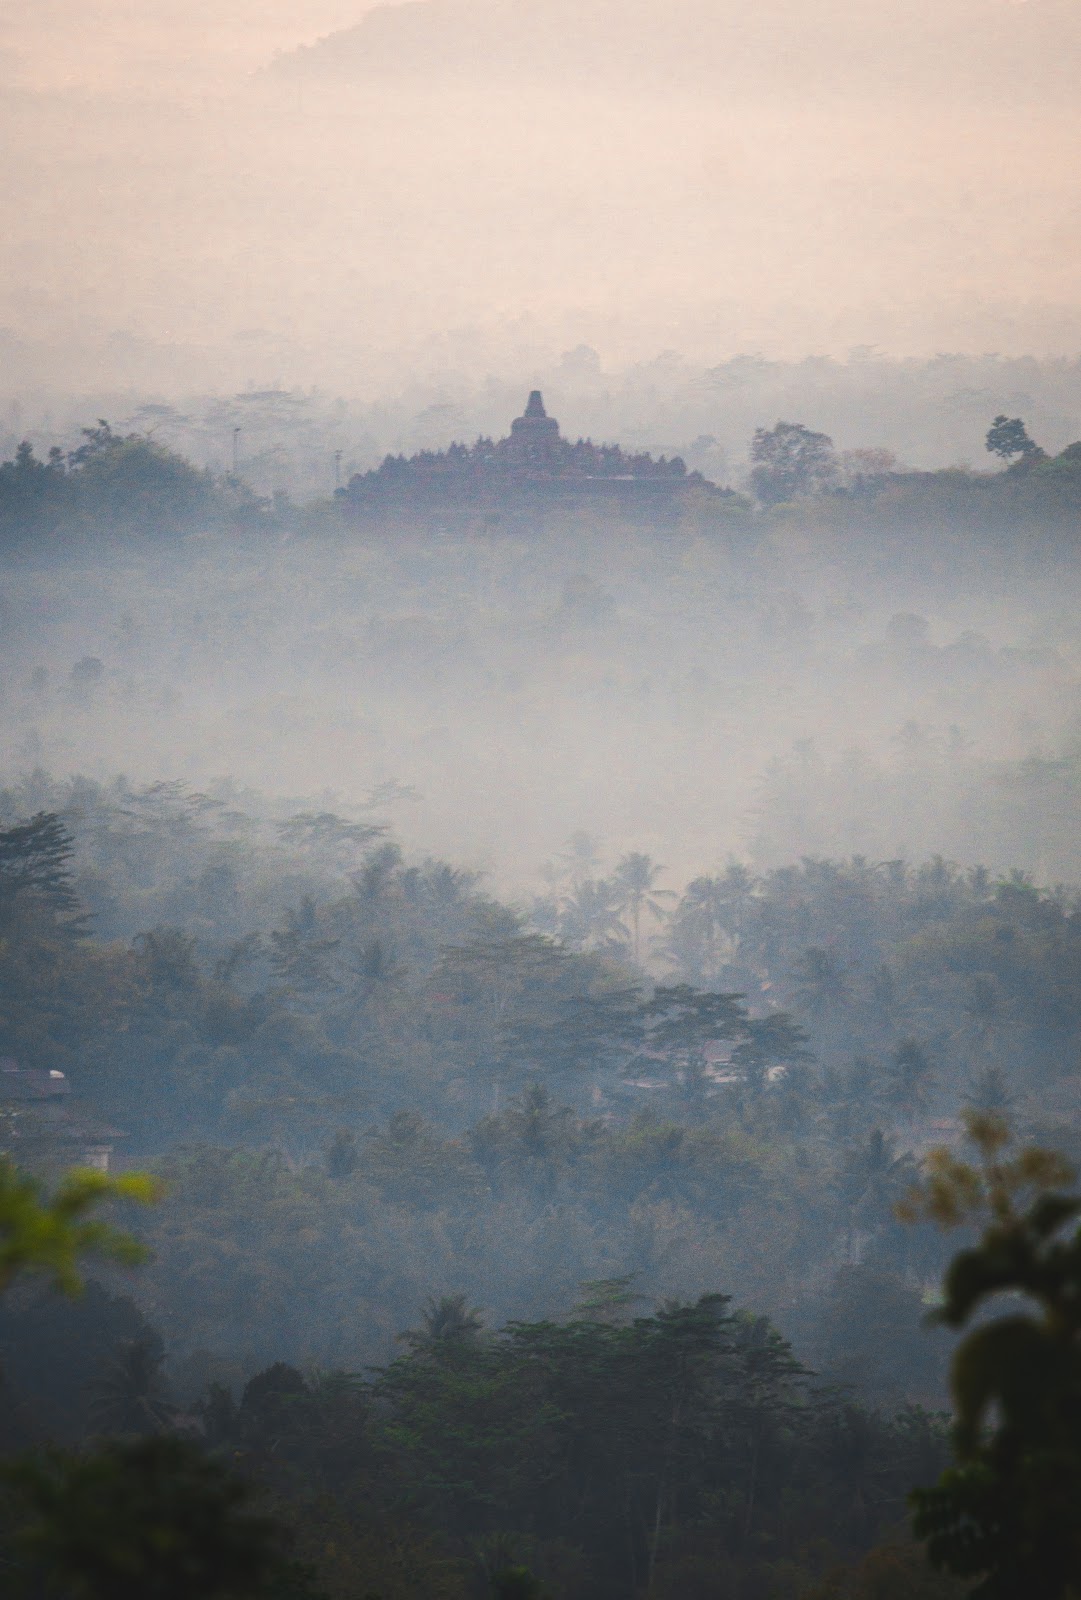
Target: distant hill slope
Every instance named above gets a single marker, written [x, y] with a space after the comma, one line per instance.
[974, 48]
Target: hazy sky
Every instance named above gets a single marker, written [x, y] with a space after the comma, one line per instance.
[473, 182]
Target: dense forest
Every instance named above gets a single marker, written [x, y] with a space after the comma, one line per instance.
[372, 1087]
[363, 1088]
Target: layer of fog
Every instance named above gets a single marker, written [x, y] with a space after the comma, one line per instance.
[673, 695]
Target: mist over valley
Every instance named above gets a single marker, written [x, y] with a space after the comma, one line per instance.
[540, 762]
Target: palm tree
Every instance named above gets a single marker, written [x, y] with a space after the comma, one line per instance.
[635, 878]
[580, 856]
[372, 883]
[129, 1395]
[445, 1324]
[706, 927]
[593, 915]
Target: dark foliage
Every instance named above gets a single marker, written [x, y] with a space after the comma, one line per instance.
[35, 864]
[1005, 1514]
[1008, 437]
[54, 1352]
[791, 460]
[585, 1458]
[111, 483]
[154, 1519]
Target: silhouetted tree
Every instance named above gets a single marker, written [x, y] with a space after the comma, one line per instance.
[35, 861]
[445, 1324]
[791, 460]
[1008, 437]
[635, 878]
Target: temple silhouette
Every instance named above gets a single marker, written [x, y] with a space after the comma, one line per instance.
[533, 465]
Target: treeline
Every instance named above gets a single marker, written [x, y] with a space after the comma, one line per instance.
[677, 1452]
[224, 952]
[114, 483]
[680, 1451]
[124, 483]
[791, 462]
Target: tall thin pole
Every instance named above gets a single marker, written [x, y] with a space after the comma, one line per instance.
[236, 451]
[337, 469]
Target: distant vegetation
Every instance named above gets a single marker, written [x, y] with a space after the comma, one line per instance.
[111, 483]
[115, 483]
[391, 1116]
[366, 1080]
